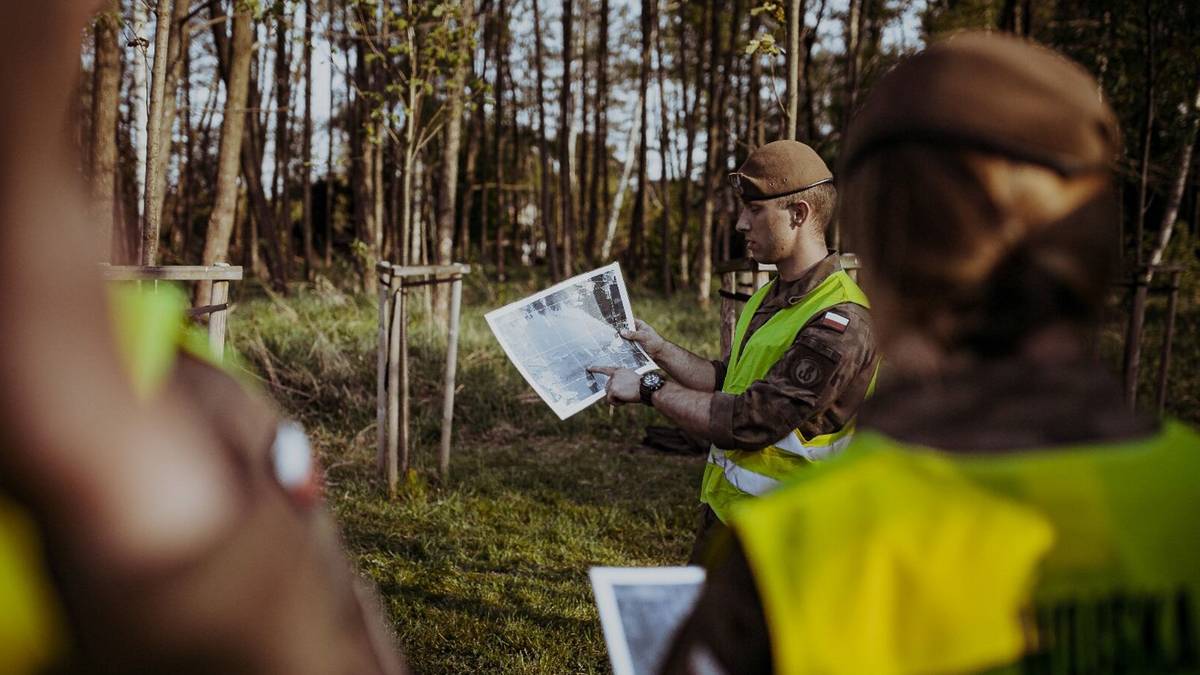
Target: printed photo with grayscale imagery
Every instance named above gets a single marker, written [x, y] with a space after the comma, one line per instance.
[552, 337]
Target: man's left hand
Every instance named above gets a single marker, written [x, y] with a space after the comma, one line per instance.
[624, 385]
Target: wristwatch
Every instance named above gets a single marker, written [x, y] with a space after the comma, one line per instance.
[651, 382]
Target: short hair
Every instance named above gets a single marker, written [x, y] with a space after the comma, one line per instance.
[822, 201]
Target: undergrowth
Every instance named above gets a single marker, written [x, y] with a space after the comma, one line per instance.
[487, 572]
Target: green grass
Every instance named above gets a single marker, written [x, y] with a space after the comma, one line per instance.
[488, 571]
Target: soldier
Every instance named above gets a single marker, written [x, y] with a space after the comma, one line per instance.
[154, 516]
[1000, 506]
[803, 355]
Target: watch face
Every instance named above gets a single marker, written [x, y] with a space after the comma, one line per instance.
[652, 379]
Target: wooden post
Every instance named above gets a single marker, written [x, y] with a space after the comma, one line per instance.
[393, 385]
[1133, 338]
[383, 281]
[761, 278]
[451, 367]
[729, 312]
[219, 318]
[404, 398]
[1168, 339]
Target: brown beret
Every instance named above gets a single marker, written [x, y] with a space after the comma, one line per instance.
[994, 93]
[779, 169]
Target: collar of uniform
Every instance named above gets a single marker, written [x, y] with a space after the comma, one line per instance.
[788, 293]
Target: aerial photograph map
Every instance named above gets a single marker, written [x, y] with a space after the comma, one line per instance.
[553, 336]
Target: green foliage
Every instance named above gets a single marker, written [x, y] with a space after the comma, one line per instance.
[486, 572]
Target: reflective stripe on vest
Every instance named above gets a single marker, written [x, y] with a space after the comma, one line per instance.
[732, 475]
[1067, 557]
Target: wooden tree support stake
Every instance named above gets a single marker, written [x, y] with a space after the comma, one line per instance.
[392, 405]
[219, 274]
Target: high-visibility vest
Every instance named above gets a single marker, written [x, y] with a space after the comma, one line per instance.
[31, 621]
[733, 475]
[900, 559]
[150, 330]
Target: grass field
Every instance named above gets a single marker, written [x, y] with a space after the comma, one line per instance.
[488, 572]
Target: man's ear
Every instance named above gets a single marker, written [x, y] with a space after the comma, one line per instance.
[800, 213]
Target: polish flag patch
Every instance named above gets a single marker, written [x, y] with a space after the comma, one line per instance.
[835, 321]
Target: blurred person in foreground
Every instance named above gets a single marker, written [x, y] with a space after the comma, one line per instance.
[154, 516]
[803, 355]
[1000, 508]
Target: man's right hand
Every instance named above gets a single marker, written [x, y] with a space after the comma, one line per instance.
[647, 337]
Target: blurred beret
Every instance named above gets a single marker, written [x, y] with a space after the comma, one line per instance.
[993, 93]
[779, 169]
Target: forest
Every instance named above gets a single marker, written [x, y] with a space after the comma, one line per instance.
[298, 138]
[308, 140]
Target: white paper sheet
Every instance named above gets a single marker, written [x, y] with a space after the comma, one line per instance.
[553, 336]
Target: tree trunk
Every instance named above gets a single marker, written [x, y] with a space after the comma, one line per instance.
[106, 91]
[330, 176]
[615, 213]
[1138, 313]
[501, 57]
[637, 224]
[566, 98]
[715, 155]
[795, 20]
[599, 177]
[448, 177]
[178, 54]
[220, 224]
[140, 120]
[306, 171]
[1148, 132]
[546, 212]
[755, 130]
[810, 99]
[664, 146]
[690, 110]
[283, 137]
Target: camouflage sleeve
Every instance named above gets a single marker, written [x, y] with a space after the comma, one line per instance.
[816, 387]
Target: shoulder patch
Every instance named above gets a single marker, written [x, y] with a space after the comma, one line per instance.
[808, 372]
[834, 321]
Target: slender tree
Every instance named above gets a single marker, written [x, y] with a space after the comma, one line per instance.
[546, 213]
[220, 224]
[664, 147]
[106, 90]
[154, 153]
[599, 173]
[565, 100]
[306, 167]
[283, 134]
[448, 167]
[637, 224]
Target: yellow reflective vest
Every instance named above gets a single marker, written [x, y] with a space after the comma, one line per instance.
[733, 475]
[900, 559]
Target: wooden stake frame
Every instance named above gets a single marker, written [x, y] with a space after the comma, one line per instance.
[392, 374]
[220, 274]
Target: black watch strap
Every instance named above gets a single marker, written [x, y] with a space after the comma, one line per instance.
[651, 382]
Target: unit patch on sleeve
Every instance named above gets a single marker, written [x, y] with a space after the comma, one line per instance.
[834, 321]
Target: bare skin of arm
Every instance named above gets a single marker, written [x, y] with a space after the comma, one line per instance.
[687, 408]
[689, 370]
